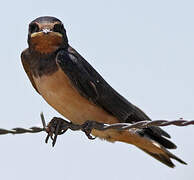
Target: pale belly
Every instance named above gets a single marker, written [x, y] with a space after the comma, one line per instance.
[58, 91]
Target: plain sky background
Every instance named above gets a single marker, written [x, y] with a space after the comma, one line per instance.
[144, 49]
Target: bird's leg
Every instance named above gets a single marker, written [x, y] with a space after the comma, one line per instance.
[87, 128]
[56, 127]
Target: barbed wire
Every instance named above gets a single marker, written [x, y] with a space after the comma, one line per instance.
[58, 126]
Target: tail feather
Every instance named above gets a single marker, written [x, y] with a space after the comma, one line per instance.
[164, 142]
[153, 145]
[176, 158]
[156, 137]
[165, 158]
[162, 154]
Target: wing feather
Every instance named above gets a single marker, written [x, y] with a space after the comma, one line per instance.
[92, 86]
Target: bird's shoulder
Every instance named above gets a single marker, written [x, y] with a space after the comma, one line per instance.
[25, 58]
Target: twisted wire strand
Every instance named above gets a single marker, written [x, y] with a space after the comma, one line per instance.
[98, 126]
[21, 130]
[145, 124]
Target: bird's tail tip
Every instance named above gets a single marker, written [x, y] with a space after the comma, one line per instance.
[165, 157]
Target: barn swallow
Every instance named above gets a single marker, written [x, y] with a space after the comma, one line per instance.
[77, 91]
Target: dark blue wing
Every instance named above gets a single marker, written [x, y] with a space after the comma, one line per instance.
[92, 86]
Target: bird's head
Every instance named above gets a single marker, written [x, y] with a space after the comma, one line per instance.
[46, 35]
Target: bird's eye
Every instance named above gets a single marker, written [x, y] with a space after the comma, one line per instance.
[58, 27]
[33, 28]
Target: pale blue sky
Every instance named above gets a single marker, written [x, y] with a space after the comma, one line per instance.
[144, 49]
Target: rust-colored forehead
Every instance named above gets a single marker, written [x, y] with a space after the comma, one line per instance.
[47, 25]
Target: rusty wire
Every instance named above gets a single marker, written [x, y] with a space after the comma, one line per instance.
[58, 126]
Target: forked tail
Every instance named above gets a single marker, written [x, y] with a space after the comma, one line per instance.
[155, 146]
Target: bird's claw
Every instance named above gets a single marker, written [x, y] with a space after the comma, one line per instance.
[55, 128]
[87, 129]
[58, 126]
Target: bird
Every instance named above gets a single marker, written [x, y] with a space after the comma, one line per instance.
[69, 84]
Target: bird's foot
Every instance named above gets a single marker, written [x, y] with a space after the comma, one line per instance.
[54, 128]
[87, 129]
[58, 126]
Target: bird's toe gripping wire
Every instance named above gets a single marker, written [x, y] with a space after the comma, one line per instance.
[58, 126]
[54, 128]
[87, 128]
